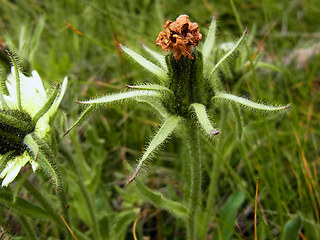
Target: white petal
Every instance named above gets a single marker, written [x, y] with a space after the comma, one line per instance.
[38, 84]
[33, 94]
[13, 168]
[43, 125]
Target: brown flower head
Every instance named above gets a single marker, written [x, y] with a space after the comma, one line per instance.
[179, 37]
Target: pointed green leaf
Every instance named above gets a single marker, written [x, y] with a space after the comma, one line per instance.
[158, 200]
[22, 206]
[200, 111]
[261, 64]
[160, 73]
[247, 103]
[160, 58]
[228, 213]
[155, 198]
[208, 44]
[81, 118]
[57, 101]
[228, 54]
[291, 229]
[164, 132]
[46, 106]
[121, 96]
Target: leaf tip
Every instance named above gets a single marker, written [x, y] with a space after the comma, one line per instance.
[135, 174]
[132, 178]
[63, 135]
[214, 16]
[214, 132]
[287, 106]
[122, 46]
[245, 32]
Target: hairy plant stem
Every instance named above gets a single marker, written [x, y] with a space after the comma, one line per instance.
[192, 133]
[84, 191]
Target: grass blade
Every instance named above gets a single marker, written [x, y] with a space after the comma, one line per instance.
[208, 44]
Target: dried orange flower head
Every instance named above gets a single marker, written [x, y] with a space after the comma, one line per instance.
[179, 37]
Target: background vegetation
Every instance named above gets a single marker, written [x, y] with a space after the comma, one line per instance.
[282, 151]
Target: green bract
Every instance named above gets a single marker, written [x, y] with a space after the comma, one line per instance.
[186, 88]
[26, 113]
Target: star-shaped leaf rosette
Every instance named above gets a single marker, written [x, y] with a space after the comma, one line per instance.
[188, 83]
[26, 113]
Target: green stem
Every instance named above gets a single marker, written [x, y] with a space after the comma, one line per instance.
[236, 15]
[85, 193]
[195, 173]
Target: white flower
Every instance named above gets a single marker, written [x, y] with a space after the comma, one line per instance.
[33, 98]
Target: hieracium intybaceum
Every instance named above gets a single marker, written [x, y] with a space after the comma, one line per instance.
[187, 82]
[187, 85]
[26, 114]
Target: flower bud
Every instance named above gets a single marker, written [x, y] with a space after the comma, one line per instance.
[179, 37]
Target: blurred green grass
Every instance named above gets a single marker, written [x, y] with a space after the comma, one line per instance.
[283, 153]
